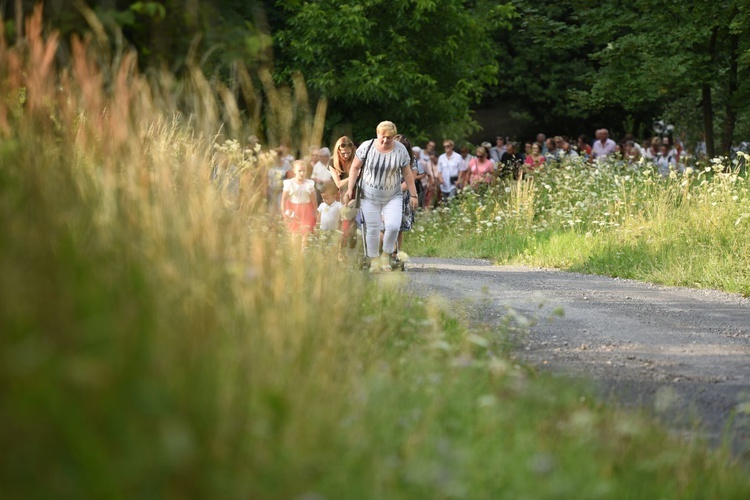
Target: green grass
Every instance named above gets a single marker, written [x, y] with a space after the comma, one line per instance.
[161, 339]
[689, 230]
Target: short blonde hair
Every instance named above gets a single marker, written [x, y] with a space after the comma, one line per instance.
[386, 127]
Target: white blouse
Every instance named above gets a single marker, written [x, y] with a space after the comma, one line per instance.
[299, 193]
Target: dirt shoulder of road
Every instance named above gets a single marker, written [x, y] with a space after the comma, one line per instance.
[681, 354]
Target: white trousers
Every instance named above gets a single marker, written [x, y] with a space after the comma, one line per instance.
[391, 217]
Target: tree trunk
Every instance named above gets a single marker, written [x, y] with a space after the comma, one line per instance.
[708, 119]
[706, 102]
[19, 20]
[731, 113]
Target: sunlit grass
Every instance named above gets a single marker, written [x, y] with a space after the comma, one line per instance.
[162, 338]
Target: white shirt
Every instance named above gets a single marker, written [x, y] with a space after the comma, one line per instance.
[452, 165]
[299, 193]
[321, 172]
[600, 150]
[449, 167]
[330, 215]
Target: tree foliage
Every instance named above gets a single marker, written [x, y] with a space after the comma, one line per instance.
[654, 52]
[562, 66]
[576, 61]
[164, 33]
[421, 64]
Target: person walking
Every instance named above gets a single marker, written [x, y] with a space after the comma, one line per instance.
[382, 162]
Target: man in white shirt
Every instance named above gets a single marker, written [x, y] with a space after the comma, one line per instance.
[320, 173]
[603, 146]
[450, 164]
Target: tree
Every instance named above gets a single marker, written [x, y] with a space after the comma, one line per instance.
[421, 64]
[573, 62]
[651, 51]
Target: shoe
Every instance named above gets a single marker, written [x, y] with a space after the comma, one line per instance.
[385, 263]
[394, 260]
[375, 266]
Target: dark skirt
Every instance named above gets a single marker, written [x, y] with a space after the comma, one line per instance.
[407, 215]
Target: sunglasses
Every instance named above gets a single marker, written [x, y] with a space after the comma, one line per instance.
[345, 145]
[447, 146]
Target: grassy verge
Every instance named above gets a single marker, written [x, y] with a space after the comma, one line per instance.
[690, 229]
[160, 339]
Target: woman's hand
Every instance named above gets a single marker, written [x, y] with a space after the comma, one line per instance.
[347, 196]
[413, 202]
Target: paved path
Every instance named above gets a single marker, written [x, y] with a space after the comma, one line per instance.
[682, 353]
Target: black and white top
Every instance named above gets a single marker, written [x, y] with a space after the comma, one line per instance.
[381, 174]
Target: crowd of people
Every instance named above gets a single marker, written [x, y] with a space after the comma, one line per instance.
[389, 179]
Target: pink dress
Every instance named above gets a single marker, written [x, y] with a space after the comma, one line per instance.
[300, 212]
[531, 164]
[481, 171]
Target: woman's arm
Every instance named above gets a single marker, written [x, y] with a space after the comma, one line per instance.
[352, 180]
[409, 178]
[337, 180]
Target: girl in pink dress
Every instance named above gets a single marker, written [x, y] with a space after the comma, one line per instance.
[481, 167]
[298, 201]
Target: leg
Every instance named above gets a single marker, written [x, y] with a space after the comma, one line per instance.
[392, 212]
[371, 212]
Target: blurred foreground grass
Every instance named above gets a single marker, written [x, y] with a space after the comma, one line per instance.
[161, 340]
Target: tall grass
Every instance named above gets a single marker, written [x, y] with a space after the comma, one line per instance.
[688, 229]
[160, 337]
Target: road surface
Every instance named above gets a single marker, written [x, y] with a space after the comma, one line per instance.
[681, 354]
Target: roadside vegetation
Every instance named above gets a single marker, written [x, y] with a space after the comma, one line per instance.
[161, 339]
[689, 229]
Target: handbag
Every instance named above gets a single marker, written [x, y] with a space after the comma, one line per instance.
[356, 201]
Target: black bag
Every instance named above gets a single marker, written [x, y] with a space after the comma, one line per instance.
[356, 201]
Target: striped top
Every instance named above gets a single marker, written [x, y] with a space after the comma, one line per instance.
[381, 174]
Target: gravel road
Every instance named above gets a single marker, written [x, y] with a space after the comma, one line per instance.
[680, 354]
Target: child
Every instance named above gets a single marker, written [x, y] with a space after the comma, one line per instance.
[329, 212]
[298, 201]
[280, 170]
